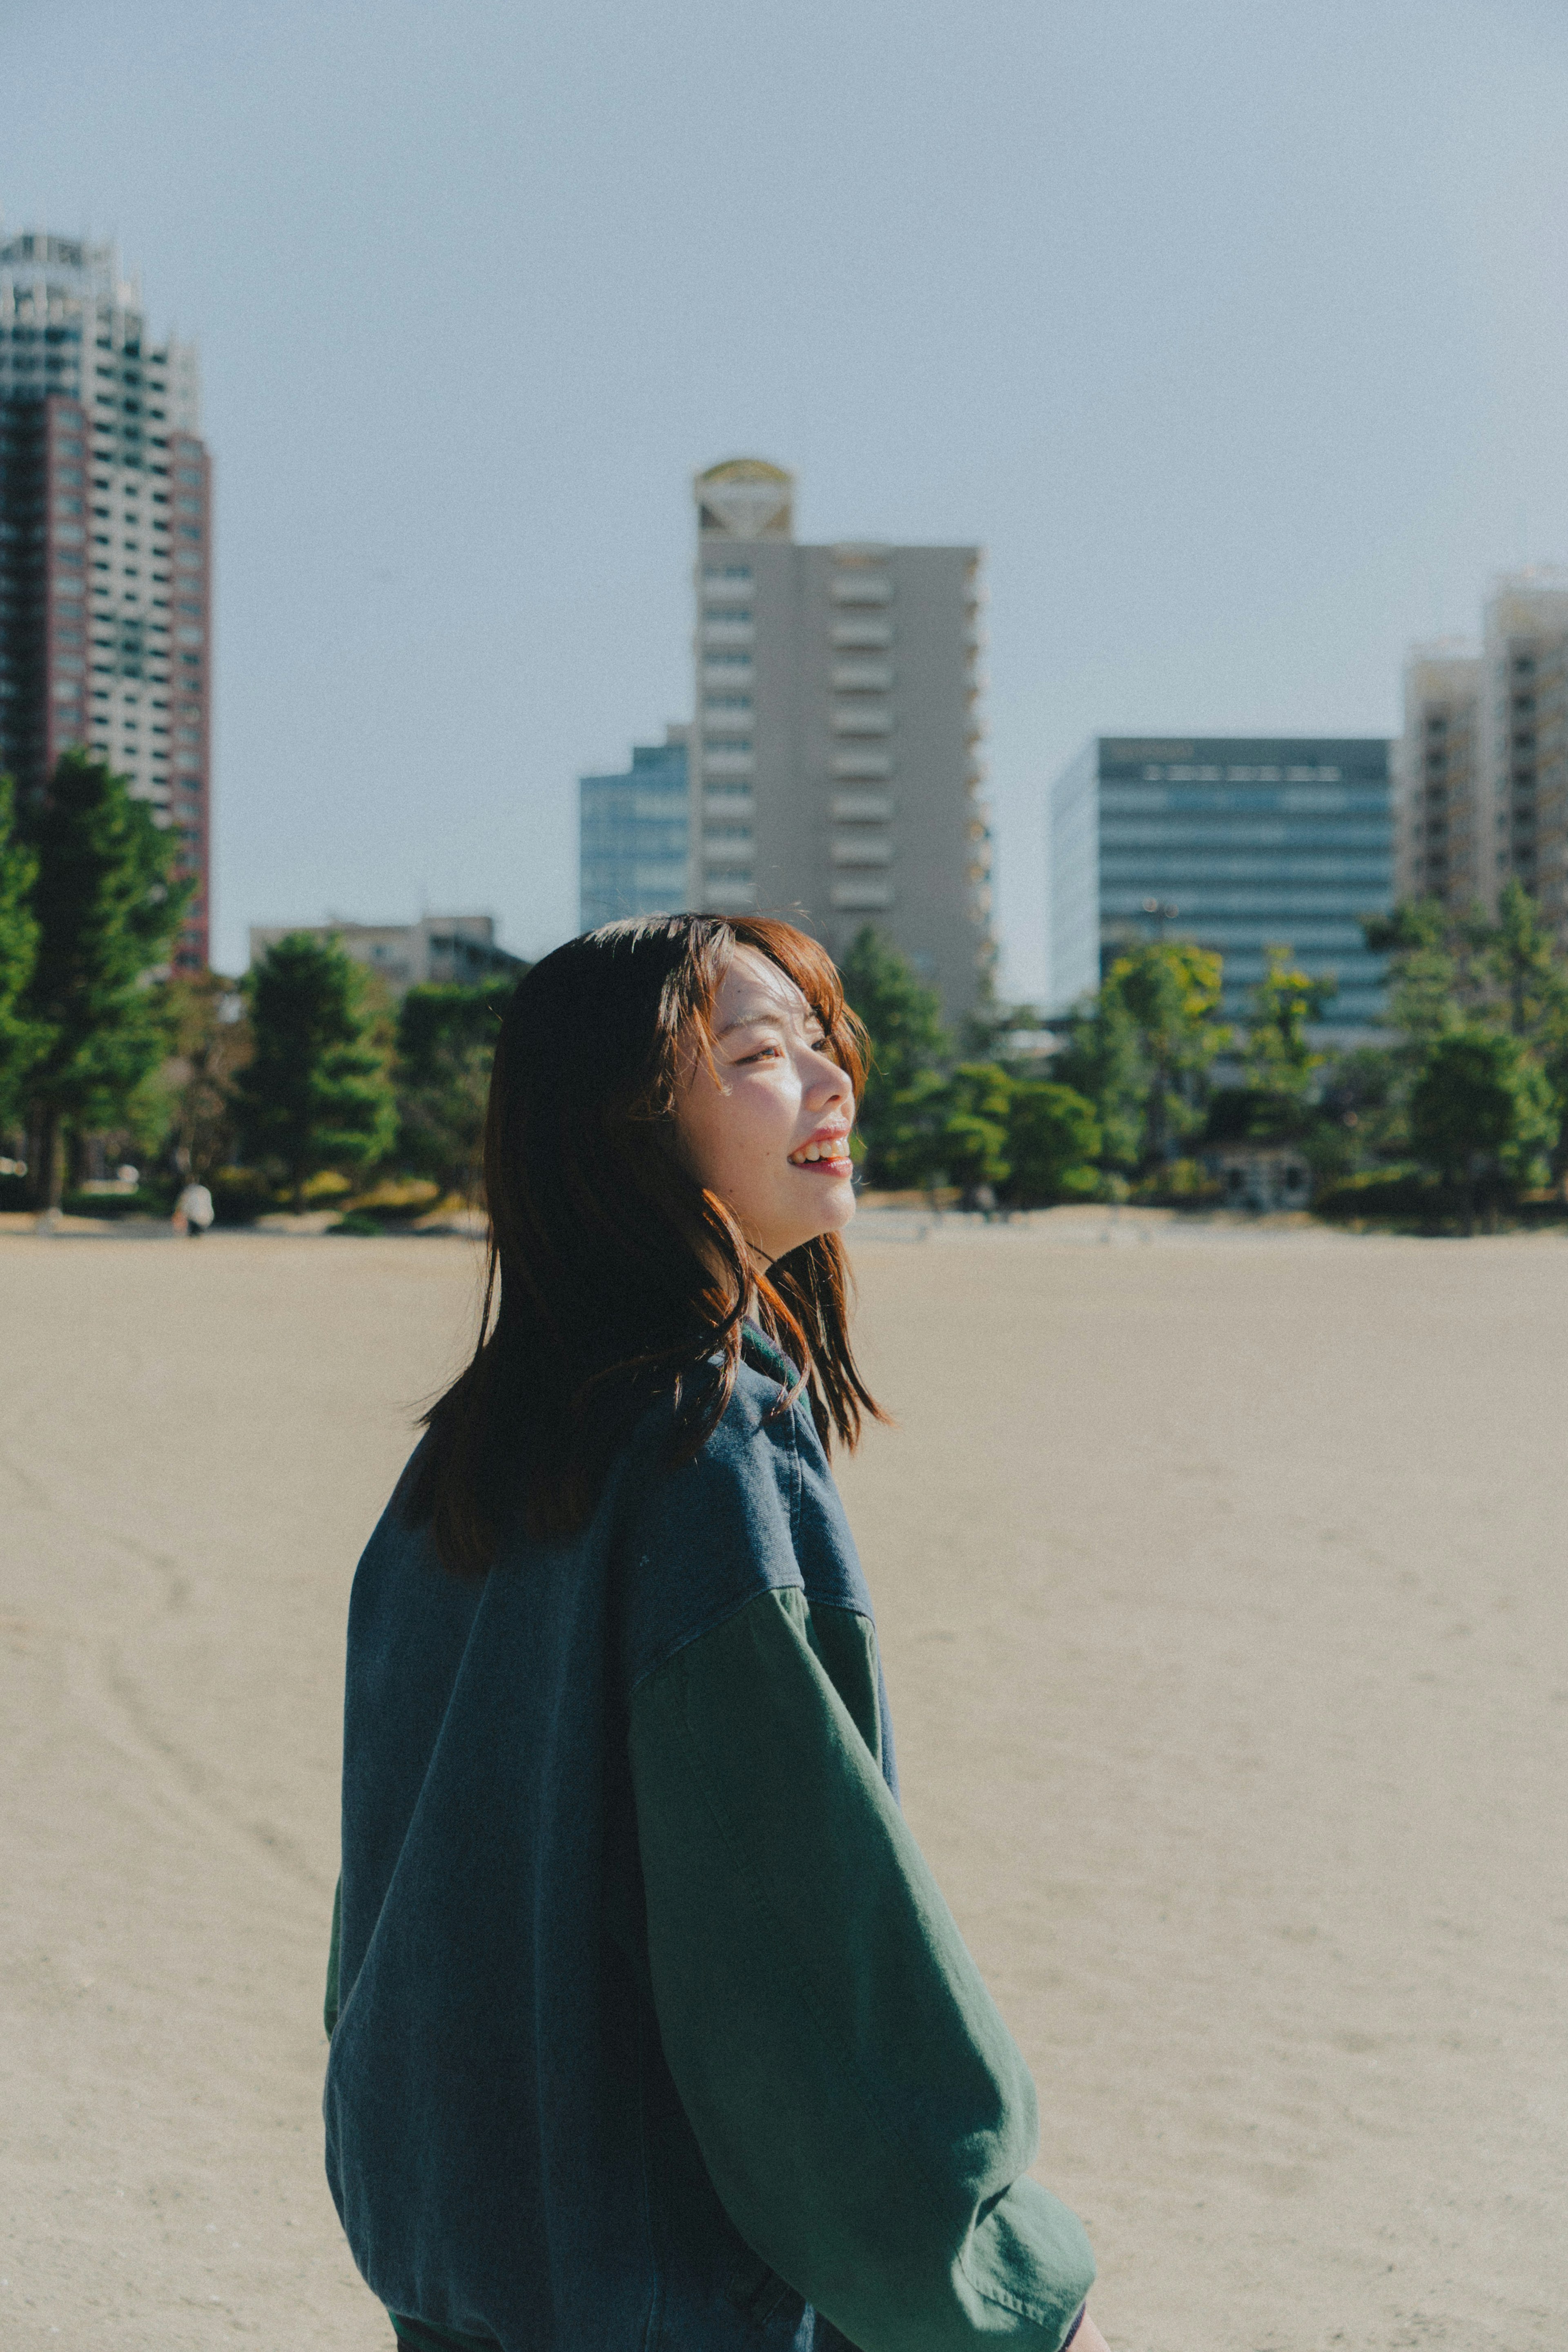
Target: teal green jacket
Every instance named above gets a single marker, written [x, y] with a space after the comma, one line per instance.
[650, 2026]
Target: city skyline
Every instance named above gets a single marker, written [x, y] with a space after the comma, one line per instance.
[1146, 318]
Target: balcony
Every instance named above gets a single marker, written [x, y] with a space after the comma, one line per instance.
[861, 719]
[729, 763]
[862, 677]
[862, 895]
[722, 631]
[865, 761]
[862, 850]
[869, 630]
[861, 588]
[864, 807]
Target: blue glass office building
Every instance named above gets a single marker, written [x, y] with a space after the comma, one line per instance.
[633, 835]
[1236, 843]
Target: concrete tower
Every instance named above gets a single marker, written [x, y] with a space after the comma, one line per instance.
[106, 546]
[835, 768]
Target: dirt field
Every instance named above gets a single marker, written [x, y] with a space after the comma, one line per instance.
[1222, 1589]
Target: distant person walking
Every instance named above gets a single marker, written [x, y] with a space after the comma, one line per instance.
[650, 2029]
[194, 1207]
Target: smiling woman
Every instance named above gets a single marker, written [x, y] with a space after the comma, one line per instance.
[650, 2029]
[764, 1110]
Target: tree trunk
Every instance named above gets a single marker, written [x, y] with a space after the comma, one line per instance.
[49, 1179]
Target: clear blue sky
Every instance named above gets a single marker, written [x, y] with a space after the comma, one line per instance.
[1236, 331]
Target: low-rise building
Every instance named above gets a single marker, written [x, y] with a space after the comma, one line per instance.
[437, 950]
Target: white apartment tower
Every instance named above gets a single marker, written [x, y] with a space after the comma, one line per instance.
[836, 777]
[1482, 790]
[105, 544]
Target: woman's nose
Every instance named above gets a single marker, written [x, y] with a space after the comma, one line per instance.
[832, 1083]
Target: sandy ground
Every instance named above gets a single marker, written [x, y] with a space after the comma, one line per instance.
[1222, 1590]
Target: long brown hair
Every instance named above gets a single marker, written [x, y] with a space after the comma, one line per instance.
[613, 1276]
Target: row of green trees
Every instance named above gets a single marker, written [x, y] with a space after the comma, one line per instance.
[307, 1067]
[261, 1085]
[1463, 1101]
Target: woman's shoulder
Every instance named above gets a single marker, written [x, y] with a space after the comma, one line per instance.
[701, 1538]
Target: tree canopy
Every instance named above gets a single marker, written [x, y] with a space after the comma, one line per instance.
[21, 1038]
[903, 1018]
[317, 1092]
[446, 1044]
[107, 907]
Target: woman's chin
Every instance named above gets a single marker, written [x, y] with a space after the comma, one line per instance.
[837, 1206]
[831, 1211]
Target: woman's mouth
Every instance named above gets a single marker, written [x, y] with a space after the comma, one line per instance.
[825, 1155]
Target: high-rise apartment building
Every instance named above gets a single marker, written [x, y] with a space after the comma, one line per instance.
[835, 770]
[105, 544]
[1436, 776]
[634, 835]
[1482, 765]
[1238, 844]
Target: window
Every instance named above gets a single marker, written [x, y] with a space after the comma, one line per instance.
[711, 701]
[710, 571]
[727, 742]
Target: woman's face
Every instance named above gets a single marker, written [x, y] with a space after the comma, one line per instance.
[768, 1127]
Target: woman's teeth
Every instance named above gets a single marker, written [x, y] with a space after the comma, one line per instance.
[833, 1148]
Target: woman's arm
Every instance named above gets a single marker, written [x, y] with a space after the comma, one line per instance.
[865, 2117]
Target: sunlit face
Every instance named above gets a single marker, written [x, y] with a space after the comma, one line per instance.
[768, 1127]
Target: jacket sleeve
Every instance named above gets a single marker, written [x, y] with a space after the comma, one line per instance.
[863, 2113]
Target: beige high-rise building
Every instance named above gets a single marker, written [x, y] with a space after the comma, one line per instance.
[836, 775]
[1434, 781]
[1482, 790]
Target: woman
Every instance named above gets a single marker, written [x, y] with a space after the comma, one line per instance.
[655, 2031]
